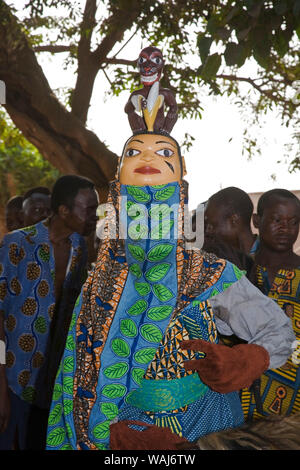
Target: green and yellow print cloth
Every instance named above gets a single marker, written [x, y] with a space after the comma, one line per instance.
[279, 388]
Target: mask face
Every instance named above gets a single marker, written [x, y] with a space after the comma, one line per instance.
[150, 159]
[150, 63]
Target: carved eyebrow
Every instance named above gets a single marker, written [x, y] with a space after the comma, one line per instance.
[164, 142]
[136, 140]
[156, 54]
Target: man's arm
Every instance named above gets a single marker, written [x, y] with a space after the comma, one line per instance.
[4, 395]
[244, 311]
[8, 271]
[172, 114]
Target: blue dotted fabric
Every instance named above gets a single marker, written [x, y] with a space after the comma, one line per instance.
[211, 413]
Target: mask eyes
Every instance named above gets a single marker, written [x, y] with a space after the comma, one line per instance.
[157, 60]
[132, 152]
[165, 153]
[142, 60]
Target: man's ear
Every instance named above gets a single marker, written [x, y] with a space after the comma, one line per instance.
[256, 220]
[63, 211]
[183, 166]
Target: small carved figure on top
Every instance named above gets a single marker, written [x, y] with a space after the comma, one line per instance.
[150, 100]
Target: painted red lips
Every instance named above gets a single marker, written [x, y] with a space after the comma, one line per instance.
[146, 170]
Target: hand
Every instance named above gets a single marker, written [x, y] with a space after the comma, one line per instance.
[150, 437]
[226, 369]
[4, 401]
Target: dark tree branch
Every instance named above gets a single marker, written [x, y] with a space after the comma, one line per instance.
[89, 62]
[268, 93]
[59, 136]
[115, 61]
[87, 70]
[54, 49]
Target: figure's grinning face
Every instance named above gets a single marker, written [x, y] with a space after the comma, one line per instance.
[150, 63]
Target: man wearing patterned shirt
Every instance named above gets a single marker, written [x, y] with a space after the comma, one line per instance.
[42, 268]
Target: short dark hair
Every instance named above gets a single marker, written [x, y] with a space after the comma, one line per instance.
[268, 196]
[14, 202]
[36, 190]
[235, 201]
[66, 188]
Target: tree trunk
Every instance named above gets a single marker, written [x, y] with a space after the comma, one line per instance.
[58, 134]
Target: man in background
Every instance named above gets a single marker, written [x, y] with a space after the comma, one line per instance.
[227, 227]
[277, 275]
[228, 218]
[14, 214]
[42, 268]
[36, 205]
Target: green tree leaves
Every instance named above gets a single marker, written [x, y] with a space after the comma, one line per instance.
[21, 160]
[236, 54]
[211, 66]
[229, 30]
[70, 343]
[137, 231]
[135, 211]
[204, 43]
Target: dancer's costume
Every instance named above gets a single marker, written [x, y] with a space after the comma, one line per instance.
[124, 358]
